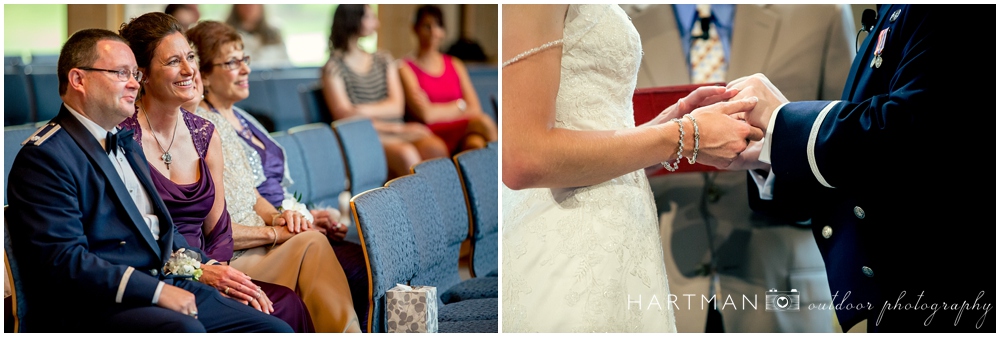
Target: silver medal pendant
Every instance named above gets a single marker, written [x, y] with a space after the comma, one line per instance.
[878, 61]
[166, 159]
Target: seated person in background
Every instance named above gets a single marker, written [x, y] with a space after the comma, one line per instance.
[188, 180]
[91, 233]
[260, 39]
[358, 83]
[223, 60]
[438, 90]
[186, 15]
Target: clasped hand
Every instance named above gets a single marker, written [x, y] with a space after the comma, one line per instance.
[723, 135]
[236, 285]
[749, 101]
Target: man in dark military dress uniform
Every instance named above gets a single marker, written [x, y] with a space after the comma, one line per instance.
[902, 239]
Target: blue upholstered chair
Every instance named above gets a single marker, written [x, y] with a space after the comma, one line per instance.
[13, 136]
[390, 250]
[315, 104]
[324, 167]
[283, 87]
[259, 101]
[478, 170]
[392, 256]
[13, 60]
[18, 308]
[295, 161]
[363, 154]
[44, 59]
[447, 190]
[469, 326]
[287, 110]
[439, 244]
[45, 92]
[486, 82]
[16, 99]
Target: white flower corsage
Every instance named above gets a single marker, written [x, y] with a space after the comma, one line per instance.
[183, 264]
[295, 205]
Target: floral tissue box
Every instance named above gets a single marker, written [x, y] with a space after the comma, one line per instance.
[411, 309]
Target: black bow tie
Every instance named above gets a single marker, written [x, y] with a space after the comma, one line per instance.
[111, 140]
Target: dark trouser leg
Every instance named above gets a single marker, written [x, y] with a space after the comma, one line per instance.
[148, 319]
[352, 259]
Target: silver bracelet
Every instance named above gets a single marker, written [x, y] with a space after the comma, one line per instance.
[697, 137]
[680, 146]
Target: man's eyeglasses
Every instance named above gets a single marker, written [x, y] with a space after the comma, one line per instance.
[123, 75]
[234, 64]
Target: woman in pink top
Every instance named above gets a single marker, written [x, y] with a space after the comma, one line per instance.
[438, 90]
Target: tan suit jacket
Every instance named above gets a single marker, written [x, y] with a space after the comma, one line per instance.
[806, 51]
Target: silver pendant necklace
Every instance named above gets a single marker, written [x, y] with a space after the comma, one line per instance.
[166, 158]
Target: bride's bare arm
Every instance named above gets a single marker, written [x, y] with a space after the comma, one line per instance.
[537, 154]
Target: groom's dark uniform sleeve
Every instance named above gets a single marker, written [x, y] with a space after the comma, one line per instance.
[70, 235]
[876, 171]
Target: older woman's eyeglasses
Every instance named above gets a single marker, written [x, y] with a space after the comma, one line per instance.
[234, 64]
[123, 75]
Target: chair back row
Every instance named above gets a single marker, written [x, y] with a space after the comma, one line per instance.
[328, 166]
[31, 94]
[428, 211]
[478, 170]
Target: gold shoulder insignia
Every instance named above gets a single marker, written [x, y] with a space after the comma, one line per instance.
[42, 134]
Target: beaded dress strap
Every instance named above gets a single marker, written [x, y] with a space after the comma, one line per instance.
[532, 51]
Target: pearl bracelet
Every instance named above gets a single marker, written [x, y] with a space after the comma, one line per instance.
[697, 137]
[680, 146]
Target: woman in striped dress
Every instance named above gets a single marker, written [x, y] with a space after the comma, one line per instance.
[357, 83]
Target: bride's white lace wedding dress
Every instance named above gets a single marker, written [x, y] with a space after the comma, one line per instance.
[588, 259]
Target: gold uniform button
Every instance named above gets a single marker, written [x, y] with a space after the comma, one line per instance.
[827, 232]
[858, 212]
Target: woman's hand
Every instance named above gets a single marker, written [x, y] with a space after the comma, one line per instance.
[327, 224]
[261, 302]
[235, 284]
[702, 96]
[293, 220]
[722, 137]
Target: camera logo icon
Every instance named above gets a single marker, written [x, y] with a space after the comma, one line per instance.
[781, 300]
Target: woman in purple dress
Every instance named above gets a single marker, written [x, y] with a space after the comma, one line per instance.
[186, 164]
[223, 61]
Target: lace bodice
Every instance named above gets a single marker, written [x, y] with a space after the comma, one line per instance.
[601, 53]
